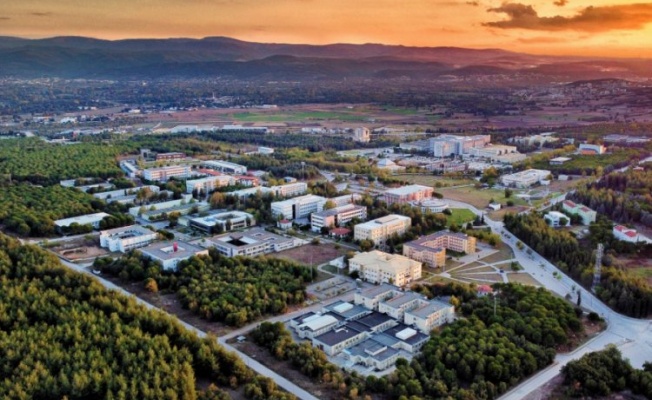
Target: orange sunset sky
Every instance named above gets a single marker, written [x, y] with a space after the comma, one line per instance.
[594, 27]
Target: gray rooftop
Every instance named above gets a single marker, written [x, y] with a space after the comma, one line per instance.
[402, 299]
[375, 319]
[374, 349]
[346, 310]
[375, 291]
[417, 338]
[164, 250]
[339, 335]
[432, 307]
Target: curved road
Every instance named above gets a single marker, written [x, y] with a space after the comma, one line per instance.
[632, 336]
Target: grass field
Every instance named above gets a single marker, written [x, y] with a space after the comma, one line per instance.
[525, 279]
[432, 180]
[479, 198]
[504, 253]
[460, 216]
[479, 279]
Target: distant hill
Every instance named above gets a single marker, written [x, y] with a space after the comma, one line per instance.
[80, 57]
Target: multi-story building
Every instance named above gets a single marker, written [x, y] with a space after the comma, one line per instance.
[244, 193]
[209, 184]
[290, 190]
[525, 179]
[298, 207]
[221, 222]
[170, 254]
[225, 166]
[625, 234]
[126, 238]
[448, 145]
[251, 243]
[163, 174]
[431, 205]
[371, 297]
[379, 230]
[492, 152]
[88, 219]
[336, 340]
[401, 302]
[345, 199]
[378, 267]
[557, 219]
[430, 315]
[406, 194]
[362, 135]
[431, 249]
[588, 216]
[265, 150]
[337, 216]
[170, 156]
[592, 149]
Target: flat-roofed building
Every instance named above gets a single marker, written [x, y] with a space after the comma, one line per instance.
[378, 230]
[371, 297]
[316, 325]
[403, 337]
[298, 207]
[431, 249]
[251, 243]
[225, 166]
[525, 179]
[162, 206]
[432, 205]
[253, 191]
[337, 216]
[336, 340]
[372, 354]
[586, 214]
[428, 316]
[592, 149]
[378, 267]
[120, 194]
[447, 145]
[362, 135]
[625, 234]
[346, 311]
[163, 174]
[407, 194]
[88, 219]
[126, 238]
[170, 254]
[492, 152]
[396, 306]
[345, 199]
[290, 189]
[559, 160]
[556, 219]
[224, 221]
[209, 184]
[378, 322]
[173, 156]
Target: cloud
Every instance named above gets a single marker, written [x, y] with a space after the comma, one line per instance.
[474, 3]
[560, 3]
[5, 18]
[41, 14]
[589, 19]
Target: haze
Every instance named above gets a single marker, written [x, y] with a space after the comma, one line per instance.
[564, 27]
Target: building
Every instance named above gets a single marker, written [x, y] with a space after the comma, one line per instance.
[378, 230]
[129, 168]
[251, 243]
[371, 297]
[126, 238]
[492, 151]
[162, 206]
[401, 302]
[346, 311]
[378, 267]
[450, 145]
[169, 254]
[182, 209]
[559, 160]
[557, 219]
[222, 222]
[265, 150]
[406, 194]
[290, 190]
[592, 149]
[88, 219]
[625, 234]
[495, 206]
[345, 199]
[525, 179]
[431, 249]
[298, 207]
[246, 180]
[586, 214]
[372, 354]
[387, 164]
[362, 135]
[244, 193]
[536, 139]
[336, 340]
[124, 195]
[316, 325]
[209, 184]
[432, 205]
[175, 156]
[429, 316]
[337, 216]
[165, 173]
[225, 166]
[509, 158]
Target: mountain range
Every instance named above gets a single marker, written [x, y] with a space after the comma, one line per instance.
[212, 57]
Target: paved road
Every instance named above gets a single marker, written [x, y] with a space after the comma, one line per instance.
[632, 336]
[251, 363]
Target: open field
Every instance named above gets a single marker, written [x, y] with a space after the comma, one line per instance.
[479, 198]
[636, 267]
[432, 180]
[460, 216]
[479, 279]
[504, 253]
[525, 279]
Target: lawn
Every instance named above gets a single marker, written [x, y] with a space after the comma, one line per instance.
[504, 253]
[525, 279]
[432, 180]
[459, 216]
[479, 198]
[297, 116]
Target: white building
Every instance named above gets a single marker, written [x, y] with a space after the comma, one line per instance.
[592, 149]
[252, 243]
[165, 173]
[431, 205]
[170, 254]
[221, 222]
[626, 234]
[316, 325]
[557, 219]
[378, 230]
[588, 216]
[244, 193]
[165, 205]
[492, 151]
[362, 135]
[298, 207]
[265, 150]
[89, 219]
[525, 179]
[126, 238]
[209, 184]
[378, 267]
[290, 190]
[447, 145]
[337, 216]
[225, 166]
[430, 315]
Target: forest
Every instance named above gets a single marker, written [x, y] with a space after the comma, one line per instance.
[62, 335]
[32, 160]
[625, 197]
[234, 291]
[603, 373]
[625, 294]
[586, 164]
[477, 357]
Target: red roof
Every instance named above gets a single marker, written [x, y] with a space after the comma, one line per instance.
[569, 203]
[585, 209]
[340, 231]
[623, 229]
[484, 289]
[284, 221]
[209, 172]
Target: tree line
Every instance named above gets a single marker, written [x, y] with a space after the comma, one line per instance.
[63, 335]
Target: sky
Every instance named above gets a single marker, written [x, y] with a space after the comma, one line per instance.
[612, 28]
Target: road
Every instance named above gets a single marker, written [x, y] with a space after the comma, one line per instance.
[251, 363]
[632, 336]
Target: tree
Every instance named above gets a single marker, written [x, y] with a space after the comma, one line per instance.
[330, 204]
[508, 193]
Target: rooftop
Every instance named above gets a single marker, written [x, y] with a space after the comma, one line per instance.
[248, 238]
[374, 349]
[400, 332]
[403, 299]
[345, 309]
[375, 319]
[375, 291]
[405, 190]
[82, 219]
[127, 231]
[165, 250]
[339, 335]
[392, 218]
[317, 322]
[428, 309]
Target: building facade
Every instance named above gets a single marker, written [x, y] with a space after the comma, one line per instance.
[209, 184]
[251, 243]
[431, 249]
[170, 254]
[379, 230]
[225, 166]
[298, 207]
[407, 194]
[337, 216]
[378, 267]
[586, 214]
[525, 179]
[290, 190]
[163, 174]
[126, 238]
